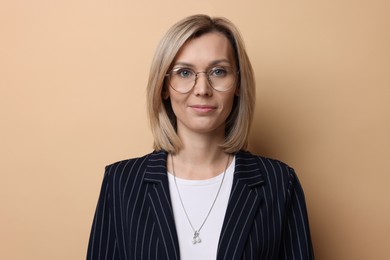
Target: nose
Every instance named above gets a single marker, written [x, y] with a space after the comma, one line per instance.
[202, 85]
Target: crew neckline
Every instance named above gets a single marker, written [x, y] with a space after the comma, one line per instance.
[205, 182]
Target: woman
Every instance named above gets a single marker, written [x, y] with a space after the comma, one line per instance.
[199, 195]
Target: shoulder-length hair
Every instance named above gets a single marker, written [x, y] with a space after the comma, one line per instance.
[163, 120]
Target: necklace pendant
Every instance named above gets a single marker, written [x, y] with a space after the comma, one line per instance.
[196, 239]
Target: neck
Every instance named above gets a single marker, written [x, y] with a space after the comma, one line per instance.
[200, 158]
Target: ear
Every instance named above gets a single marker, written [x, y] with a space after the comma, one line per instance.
[237, 91]
[165, 93]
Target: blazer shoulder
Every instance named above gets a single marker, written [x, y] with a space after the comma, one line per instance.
[127, 167]
[270, 165]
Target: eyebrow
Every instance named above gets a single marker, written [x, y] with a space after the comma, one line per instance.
[213, 63]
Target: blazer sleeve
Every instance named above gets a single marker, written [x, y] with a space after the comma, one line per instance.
[296, 240]
[102, 241]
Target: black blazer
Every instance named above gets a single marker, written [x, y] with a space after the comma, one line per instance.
[265, 219]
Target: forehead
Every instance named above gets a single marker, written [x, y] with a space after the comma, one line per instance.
[206, 49]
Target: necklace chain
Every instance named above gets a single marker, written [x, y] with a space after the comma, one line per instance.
[196, 239]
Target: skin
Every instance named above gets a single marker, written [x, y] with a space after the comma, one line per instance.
[201, 114]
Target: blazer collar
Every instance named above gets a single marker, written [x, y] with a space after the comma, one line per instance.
[247, 169]
[160, 203]
[243, 204]
[156, 170]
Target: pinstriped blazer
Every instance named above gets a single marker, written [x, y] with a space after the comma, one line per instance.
[266, 216]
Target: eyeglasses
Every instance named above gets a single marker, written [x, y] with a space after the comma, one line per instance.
[183, 80]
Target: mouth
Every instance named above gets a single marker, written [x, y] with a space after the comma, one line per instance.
[203, 108]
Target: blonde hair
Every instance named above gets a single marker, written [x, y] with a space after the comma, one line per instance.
[163, 120]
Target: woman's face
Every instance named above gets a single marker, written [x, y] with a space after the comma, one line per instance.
[203, 110]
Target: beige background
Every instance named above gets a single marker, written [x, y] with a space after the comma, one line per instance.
[72, 99]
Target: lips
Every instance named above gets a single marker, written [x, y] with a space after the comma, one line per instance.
[203, 108]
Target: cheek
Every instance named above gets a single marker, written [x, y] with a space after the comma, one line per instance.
[227, 109]
[176, 104]
[231, 102]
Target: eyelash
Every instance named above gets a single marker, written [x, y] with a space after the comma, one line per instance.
[184, 69]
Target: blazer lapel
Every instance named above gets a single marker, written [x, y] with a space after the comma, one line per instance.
[160, 202]
[243, 203]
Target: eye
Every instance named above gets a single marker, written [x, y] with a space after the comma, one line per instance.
[183, 73]
[218, 72]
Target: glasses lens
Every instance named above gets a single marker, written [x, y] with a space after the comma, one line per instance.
[182, 80]
[222, 79]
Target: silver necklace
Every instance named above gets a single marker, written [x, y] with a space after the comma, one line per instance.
[196, 238]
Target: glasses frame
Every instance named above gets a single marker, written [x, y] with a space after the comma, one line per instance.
[207, 73]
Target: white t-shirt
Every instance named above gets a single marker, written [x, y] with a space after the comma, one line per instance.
[198, 196]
